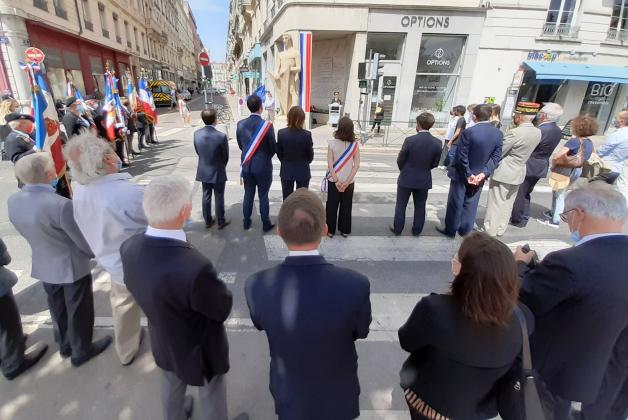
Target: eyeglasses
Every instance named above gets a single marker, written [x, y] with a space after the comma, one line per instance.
[563, 215]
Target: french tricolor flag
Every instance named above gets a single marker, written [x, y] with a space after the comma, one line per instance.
[146, 100]
[305, 95]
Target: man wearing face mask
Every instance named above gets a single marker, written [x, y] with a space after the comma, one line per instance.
[108, 210]
[579, 297]
[19, 142]
[73, 120]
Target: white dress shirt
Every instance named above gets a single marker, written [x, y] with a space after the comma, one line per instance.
[588, 238]
[177, 234]
[614, 150]
[108, 212]
[304, 253]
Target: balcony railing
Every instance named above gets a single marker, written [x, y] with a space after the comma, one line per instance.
[615, 34]
[105, 33]
[61, 13]
[560, 30]
[41, 4]
[242, 3]
[88, 25]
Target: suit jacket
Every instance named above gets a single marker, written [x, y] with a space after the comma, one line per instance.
[516, 149]
[261, 163]
[212, 148]
[72, 124]
[60, 253]
[538, 164]
[579, 297]
[479, 151]
[418, 156]
[18, 144]
[312, 312]
[450, 355]
[186, 305]
[8, 279]
[295, 150]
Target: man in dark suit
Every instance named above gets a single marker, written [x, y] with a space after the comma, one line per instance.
[18, 142]
[538, 163]
[418, 156]
[186, 304]
[212, 148]
[477, 155]
[73, 121]
[579, 297]
[257, 173]
[312, 313]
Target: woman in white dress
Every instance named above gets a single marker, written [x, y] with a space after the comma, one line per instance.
[183, 111]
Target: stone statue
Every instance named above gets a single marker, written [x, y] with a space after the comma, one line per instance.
[286, 76]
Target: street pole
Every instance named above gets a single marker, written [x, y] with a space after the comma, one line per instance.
[367, 99]
[204, 86]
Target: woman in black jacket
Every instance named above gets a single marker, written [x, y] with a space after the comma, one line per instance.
[462, 343]
[295, 150]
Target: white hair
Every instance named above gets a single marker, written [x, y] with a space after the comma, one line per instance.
[552, 110]
[600, 200]
[34, 168]
[164, 198]
[85, 154]
[15, 123]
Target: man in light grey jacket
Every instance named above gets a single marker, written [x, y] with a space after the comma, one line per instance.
[516, 150]
[60, 257]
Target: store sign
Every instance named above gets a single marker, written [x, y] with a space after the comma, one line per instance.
[543, 56]
[440, 54]
[430, 22]
[390, 82]
[599, 93]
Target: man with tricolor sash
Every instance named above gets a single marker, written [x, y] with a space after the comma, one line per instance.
[256, 139]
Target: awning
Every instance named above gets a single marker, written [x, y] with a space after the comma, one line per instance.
[573, 71]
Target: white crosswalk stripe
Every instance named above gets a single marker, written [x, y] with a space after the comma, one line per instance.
[170, 132]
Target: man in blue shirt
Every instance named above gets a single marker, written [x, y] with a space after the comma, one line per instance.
[614, 150]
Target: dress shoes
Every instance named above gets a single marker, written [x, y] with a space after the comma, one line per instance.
[246, 225]
[65, 353]
[444, 232]
[268, 228]
[210, 224]
[224, 224]
[30, 359]
[98, 347]
[392, 229]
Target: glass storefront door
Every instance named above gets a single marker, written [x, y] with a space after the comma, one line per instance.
[598, 102]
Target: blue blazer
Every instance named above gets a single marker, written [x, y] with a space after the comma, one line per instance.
[579, 297]
[261, 163]
[295, 150]
[418, 156]
[212, 148]
[312, 312]
[538, 163]
[479, 150]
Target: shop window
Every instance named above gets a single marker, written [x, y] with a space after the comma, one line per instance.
[57, 82]
[71, 60]
[53, 57]
[389, 44]
[97, 73]
[438, 71]
[618, 30]
[598, 102]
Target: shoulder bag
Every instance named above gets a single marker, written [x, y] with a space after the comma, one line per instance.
[519, 394]
[570, 161]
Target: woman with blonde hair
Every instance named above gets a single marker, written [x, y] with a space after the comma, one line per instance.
[7, 107]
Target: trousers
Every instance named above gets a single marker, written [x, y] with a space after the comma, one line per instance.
[338, 208]
[462, 207]
[419, 197]
[287, 186]
[11, 335]
[219, 190]
[212, 396]
[262, 183]
[501, 198]
[521, 208]
[72, 310]
[126, 322]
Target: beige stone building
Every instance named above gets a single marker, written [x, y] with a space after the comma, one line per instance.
[80, 38]
[443, 53]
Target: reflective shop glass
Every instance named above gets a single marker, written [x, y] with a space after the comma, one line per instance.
[389, 44]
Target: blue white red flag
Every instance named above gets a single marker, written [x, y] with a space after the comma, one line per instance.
[110, 108]
[305, 78]
[255, 142]
[146, 100]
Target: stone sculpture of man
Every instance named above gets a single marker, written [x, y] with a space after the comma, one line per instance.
[286, 76]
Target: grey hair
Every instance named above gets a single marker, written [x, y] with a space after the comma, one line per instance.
[15, 123]
[622, 117]
[34, 168]
[164, 198]
[552, 110]
[600, 200]
[85, 154]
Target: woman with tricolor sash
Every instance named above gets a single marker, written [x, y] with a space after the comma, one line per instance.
[343, 162]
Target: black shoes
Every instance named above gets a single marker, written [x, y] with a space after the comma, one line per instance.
[268, 228]
[98, 347]
[210, 224]
[224, 224]
[444, 232]
[392, 229]
[30, 360]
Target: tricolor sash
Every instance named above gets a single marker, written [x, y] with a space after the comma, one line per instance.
[255, 142]
[344, 158]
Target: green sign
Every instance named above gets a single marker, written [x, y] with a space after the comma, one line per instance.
[363, 84]
[235, 77]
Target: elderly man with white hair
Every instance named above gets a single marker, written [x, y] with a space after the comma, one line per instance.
[60, 257]
[108, 210]
[579, 297]
[538, 163]
[185, 302]
[516, 150]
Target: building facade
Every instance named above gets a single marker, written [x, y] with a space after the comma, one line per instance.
[220, 75]
[81, 38]
[443, 53]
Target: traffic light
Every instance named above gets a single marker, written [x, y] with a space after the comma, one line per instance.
[377, 67]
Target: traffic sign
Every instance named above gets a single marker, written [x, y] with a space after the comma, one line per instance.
[203, 59]
[34, 55]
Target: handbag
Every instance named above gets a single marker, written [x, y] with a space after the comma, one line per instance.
[519, 397]
[570, 161]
